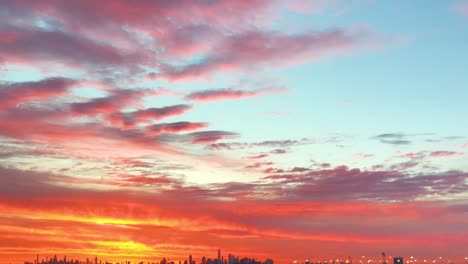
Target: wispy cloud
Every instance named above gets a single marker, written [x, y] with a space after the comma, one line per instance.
[393, 138]
[444, 154]
[12, 94]
[260, 48]
[461, 7]
[229, 94]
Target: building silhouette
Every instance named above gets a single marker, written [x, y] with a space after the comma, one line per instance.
[204, 260]
[398, 260]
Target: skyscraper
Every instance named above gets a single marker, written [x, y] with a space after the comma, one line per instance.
[398, 260]
[219, 257]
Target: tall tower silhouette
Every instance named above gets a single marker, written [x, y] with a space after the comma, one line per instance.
[219, 257]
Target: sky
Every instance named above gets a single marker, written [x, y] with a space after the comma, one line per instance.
[275, 129]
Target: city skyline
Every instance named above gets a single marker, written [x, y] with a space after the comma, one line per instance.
[220, 259]
[274, 129]
[233, 259]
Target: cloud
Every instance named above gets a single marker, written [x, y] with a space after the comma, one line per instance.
[98, 106]
[260, 48]
[125, 181]
[279, 151]
[225, 36]
[174, 127]
[160, 113]
[304, 6]
[230, 94]
[159, 31]
[258, 165]
[26, 153]
[106, 174]
[266, 143]
[445, 154]
[130, 119]
[404, 165]
[260, 156]
[34, 45]
[283, 143]
[208, 137]
[393, 139]
[143, 15]
[461, 7]
[87, 219]
[12, 94]
[273, 170]
[52, 127]
[342, 183]
[117, 100]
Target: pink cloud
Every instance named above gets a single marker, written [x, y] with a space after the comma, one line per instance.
[109, 107]
[279, 151]
[174, 127]
[34, 124]
[208, 137]
[98, 106]
[305, 6]
[260, 156]
[117, 100]
[257, 48]
[12, 94]
[461, 7]
[160, 113]
[143, 14]
[189, 40]
[159, 36]
[123, 181]
[86, 24]
[445, 154]
[229, 94]
[273, 170]
[25, 45]
[130, 119]
[258, 165]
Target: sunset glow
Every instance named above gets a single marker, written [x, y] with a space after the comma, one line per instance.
[286, 130]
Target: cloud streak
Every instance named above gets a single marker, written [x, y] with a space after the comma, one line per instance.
[130, 119]
[261, 48]
[176, 127]
[393, 139]
[230, 94]
[12, 94]
[33, 45]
